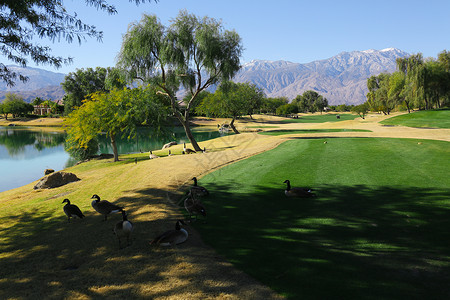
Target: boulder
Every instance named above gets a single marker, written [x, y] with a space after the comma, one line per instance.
[55, 180]
[48, 171]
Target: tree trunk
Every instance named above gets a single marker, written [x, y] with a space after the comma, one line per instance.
[114, 146]
[190, 136]
[232, 126]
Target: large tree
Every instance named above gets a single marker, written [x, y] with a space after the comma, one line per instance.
[119, 111]
[21, 21]
[193, 52]
[80, 84]
[310, 101]
[232, 100]
[16, 106]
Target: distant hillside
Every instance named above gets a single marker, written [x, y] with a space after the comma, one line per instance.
[41, 83]
[341, 78]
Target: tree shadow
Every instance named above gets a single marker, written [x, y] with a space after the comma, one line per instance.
[349, 242]
[47, 257]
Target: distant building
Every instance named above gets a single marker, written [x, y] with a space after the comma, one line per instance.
[41, 110]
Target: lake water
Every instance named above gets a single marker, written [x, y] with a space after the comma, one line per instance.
[26, 152]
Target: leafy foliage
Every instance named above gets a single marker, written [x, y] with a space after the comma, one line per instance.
[23, 20]
[180, 55]
[15, 105]
[310, 101]
[117, 112]
[232, 100]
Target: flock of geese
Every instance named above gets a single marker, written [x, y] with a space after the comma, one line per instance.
[124, 228]
[192, 204]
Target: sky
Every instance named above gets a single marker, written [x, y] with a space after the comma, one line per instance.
[292, 30]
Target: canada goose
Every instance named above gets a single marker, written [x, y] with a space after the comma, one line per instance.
[71, 210]
[198, 190]
[193, 206]
[172, 237]
[187, 150]
[152, 156]
[104, 207]
[297, 192]
[123, 229]
[170, 153]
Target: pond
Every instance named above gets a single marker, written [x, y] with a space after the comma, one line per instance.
[26, 152]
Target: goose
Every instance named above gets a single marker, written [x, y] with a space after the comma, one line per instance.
[123, 229]
[194, 206]
[172, 237]
[152, 156]
[198, 190]
[71, 210]
[104, 207]
[297, 192]
[187, 150]
[170, 153]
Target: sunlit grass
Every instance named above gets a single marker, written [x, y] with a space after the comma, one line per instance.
[381, 211]
[321, 118]
[425, 118]
[297, 131]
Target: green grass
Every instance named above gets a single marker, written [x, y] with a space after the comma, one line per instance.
[377, 230]
[425, 118]
[295, 131]
[321, 118]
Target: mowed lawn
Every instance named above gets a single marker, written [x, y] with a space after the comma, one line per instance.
[378, 228]
[425, 118]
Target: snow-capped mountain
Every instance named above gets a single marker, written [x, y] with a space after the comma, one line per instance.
[341, 78]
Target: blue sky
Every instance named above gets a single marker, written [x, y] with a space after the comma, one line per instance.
[296, 31]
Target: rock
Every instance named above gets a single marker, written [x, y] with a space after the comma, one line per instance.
[48, 171]
[168, 145]
[55, 180]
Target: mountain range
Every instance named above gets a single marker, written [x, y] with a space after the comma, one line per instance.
[342, 79]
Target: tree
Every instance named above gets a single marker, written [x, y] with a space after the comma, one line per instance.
[377, 97]
[270, 105]
[23, 20]
[361, 110]
[396, 89]
[231, 100]
[287, 109]
[193, 52]
[310, 101]
[117, 112]
[80, 84]
[15, 105]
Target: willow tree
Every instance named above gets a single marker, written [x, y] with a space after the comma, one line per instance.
[192, 52]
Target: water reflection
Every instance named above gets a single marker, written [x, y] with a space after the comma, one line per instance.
[25, 153]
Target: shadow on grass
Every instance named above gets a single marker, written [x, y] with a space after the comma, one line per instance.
[351, 242]
[47, 257]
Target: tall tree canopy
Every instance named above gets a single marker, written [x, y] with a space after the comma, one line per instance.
[193, 52]
[80, 84]
[310, 101]
[23, 20]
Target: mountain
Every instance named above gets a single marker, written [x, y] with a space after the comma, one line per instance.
[341, 78]
[41, 83]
